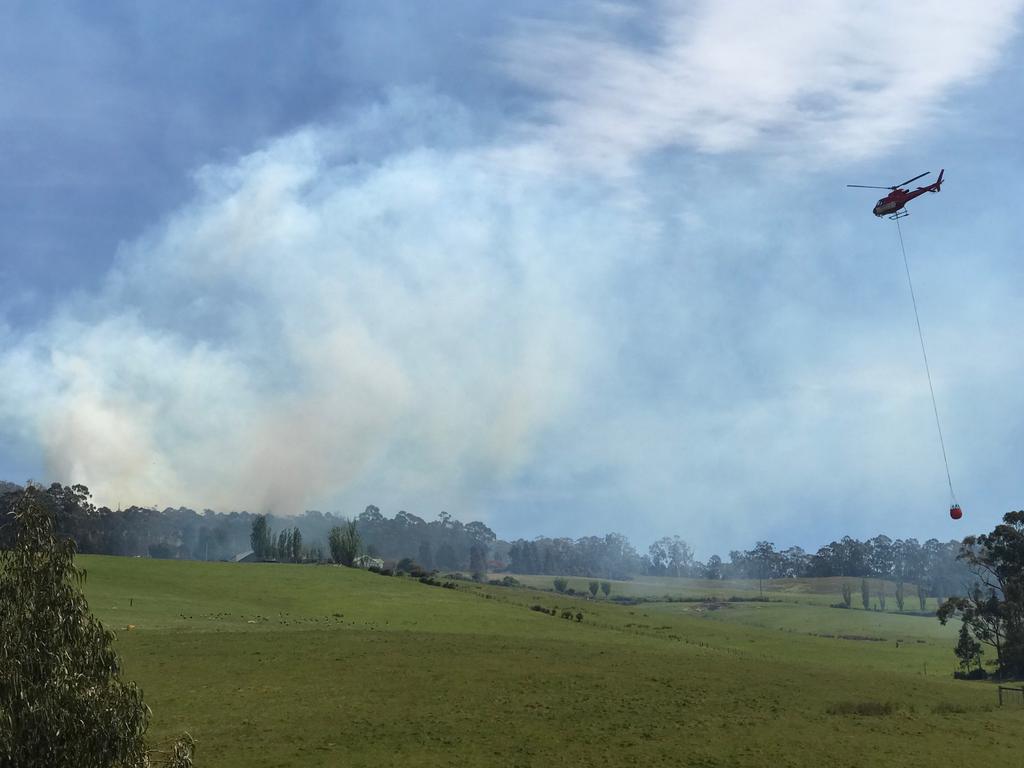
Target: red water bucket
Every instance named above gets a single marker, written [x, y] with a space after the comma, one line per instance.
[955, 512]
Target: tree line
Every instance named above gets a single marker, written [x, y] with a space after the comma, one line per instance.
[933, 564]
[445, 543]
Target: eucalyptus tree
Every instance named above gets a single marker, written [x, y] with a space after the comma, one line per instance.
[63, 702]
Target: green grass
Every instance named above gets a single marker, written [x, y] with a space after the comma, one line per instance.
[280, 665]
[820, 591]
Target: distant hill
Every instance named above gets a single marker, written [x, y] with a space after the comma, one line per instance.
[6, 487]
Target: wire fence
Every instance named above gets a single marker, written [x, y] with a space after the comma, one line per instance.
[1011, 696]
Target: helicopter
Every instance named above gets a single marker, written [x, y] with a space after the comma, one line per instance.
[894, 204]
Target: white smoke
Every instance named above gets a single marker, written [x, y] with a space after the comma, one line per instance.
[322, 314]
[389, 309]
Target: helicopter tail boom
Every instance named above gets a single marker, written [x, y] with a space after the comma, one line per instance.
[938, 181]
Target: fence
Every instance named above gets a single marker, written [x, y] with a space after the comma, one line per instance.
[1011, 695]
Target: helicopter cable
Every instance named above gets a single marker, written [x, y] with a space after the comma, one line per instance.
[927, 369]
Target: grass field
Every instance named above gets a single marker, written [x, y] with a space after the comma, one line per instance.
[821, 591]
[284, 665]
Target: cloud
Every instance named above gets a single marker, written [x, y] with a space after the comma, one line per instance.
[825, 80]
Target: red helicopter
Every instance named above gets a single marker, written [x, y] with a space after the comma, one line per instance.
[894, 204]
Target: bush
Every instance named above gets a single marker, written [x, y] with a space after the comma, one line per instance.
[863, 708]
[973, 674]
[561, 584]
[408, 565]
[567, 615]
[542, 609]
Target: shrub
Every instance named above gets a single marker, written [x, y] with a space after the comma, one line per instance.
[579, 617]
[863, 708]
[407, 565]
[560, 584]
[567, 615]
[974, 674]
[949, 708]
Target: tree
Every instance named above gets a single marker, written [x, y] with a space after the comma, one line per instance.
[922, 596]
[62, 699]
[259, 538]
[593, 587]
[881, 595]
[344, 543]
[899, 595]
[670, 555]
[296, 553]
[446, 557]
[968, 650]
[426, 556]
[478, 558]
[865, 594]
[847, 594]
[606, 588]
[993, 609]
[713, 570]
[561, 584]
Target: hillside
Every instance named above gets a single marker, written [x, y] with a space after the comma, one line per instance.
[279, 665]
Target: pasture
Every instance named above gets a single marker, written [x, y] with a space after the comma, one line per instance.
[289, 665]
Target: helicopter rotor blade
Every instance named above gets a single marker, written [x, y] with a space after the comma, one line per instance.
[913, 179]
[866, 186]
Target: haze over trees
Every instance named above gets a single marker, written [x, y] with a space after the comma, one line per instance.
[446, 543]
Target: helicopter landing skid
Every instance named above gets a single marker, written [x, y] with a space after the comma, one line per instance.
[900, 214]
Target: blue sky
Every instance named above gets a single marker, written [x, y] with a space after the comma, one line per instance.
[567, 271]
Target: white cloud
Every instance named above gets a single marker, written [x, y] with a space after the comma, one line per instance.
[831, 79]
